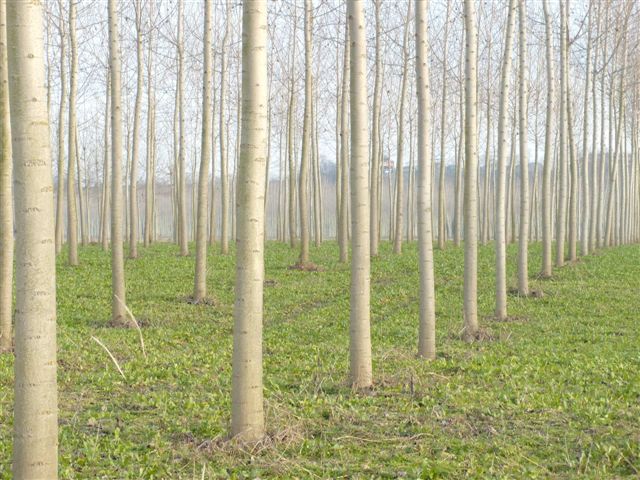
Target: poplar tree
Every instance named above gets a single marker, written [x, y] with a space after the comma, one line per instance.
[35, 418]
[118, 313]
[6, 194]
[427, 321]
[200, 281]
[247, 415]
[471, 174]
[360, 328]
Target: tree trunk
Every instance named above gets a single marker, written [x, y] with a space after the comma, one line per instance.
[573, 192]
[182, 189]
[375, 137]
[317, 179]
[106, 190]
[133, 179]
[360, 336]
[224, 160]
[291, 140]
[501, 182]
[6, 194]
[399, 216]
[411, 187]
[586, 207]
[562, 197]
[427, 322]
[303, 196]
[523, 236]
[457, 238]
[547, 238]
[343, 240]
[247, 418]
[470, 175]
[81, 201]
[151, 138]
[200, 282]
[212, 201]
[614, 175]
[442, 205]
[72, 216]
[35, 419]
[593, 215]
[118, 313]
[61, 122]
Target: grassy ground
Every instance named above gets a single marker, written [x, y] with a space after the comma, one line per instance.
[554, 393]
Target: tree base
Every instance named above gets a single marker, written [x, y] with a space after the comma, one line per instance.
[305, 267]
[201, 301]
[121, 322]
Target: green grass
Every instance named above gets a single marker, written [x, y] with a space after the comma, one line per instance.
[555, 393]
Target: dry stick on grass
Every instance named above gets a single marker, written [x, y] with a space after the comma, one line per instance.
[112, 357]
[144, 353]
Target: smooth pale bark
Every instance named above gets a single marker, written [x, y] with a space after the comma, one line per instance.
[281, 189]
[316, 177]
[375, 137]
[410, 205]
[459, 187]
[237, 154]
[194, 190]
[500, 234]
[360, 329]
[471, 174]
[399, 214]
[561, 217]
[6, 194]
[72, 215]
[427, 322]
[547, 262]
[212, 202]
[135, 144]
[291, 207]
[247, 417]
[614, 176]
[183, 238]
[442, 206]
[392, 198]
[35, 419]
[224, 159]
[487, 157]
[523, 235]
[106, 185]
[291, 168]
[118, 313]
[602, 158]
[586, 207]
[338, 138]
[81, 204]
[268, 162]
[593, 215]
[200, 281]
[343, 225]
[533, 208]
[61, 123]
[573, 190]
[303, 182]
[151, 138]
[511, 217]
[127, 168]
[86, 237]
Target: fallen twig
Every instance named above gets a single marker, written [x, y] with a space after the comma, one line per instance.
[112, 357]
[144, 353]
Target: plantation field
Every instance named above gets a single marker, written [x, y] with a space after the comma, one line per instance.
[552, 393]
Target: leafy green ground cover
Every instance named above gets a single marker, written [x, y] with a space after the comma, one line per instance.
[553, 393]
